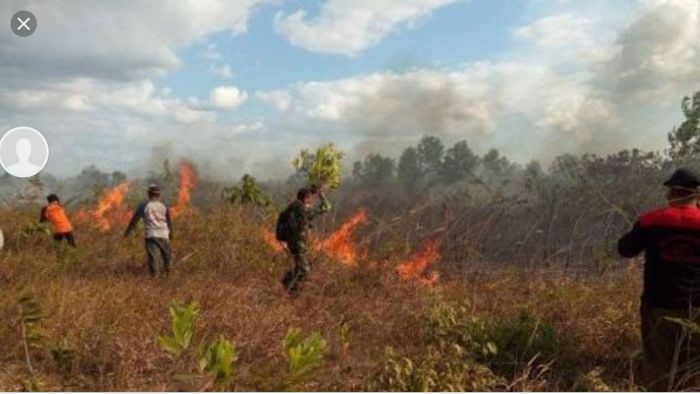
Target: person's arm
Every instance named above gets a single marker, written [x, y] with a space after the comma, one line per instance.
[322, 208]
[632, 243]
[43, 218]
[170, 223]
[138, 215]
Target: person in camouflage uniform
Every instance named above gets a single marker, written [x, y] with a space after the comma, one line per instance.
[302, 214]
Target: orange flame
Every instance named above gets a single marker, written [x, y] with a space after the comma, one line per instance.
[188, 180]
[340, 244]
[417, 266]
[110, 208]
[271, 240]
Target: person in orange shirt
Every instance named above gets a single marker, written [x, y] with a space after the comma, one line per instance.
[60, 225]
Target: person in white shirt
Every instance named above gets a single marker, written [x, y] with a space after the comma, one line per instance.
[158, 231]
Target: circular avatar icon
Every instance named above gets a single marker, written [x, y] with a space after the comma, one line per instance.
[23, 152]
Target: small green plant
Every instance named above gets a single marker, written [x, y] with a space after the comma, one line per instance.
[592, 381]
[28, 230]
[438, 369]
[30, 316]
[63, 355]
[323, 167]
[450, 324]
[33, 383]
[183, 320]
[217, 359]
[304, 355]
[523, 337]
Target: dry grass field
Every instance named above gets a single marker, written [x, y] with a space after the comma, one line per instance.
[477, 328]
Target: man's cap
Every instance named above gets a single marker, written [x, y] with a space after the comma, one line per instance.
[153, 189]
[683, 178]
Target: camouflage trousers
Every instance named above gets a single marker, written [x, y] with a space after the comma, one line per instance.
[294, 277]
[671, 351]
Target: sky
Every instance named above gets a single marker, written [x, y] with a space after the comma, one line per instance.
[241, 86]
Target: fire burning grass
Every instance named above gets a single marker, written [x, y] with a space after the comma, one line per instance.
[418, 266]
[188, 180]
[341, 246]
[111, 209]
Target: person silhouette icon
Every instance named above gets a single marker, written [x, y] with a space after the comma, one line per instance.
[23, 168]
[23, 152]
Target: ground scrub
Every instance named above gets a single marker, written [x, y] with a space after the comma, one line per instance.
[465, 352]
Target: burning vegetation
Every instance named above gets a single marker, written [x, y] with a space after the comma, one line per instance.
[340, 244]
[418, 266]
[188, 181]
[111, 209]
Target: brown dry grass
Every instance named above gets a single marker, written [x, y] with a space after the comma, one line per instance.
[101, 302]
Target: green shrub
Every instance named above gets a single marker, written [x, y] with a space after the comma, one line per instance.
[304, 356]
[449, 324]
[465, 352]
[438, 369]
[523, 337]
[63, 355]
[500, 343]
[217, 358]
[323, 167]
[182, 326]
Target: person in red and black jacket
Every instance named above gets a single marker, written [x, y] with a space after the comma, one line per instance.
[670, 240]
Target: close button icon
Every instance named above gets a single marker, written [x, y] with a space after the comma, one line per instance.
[23, 23]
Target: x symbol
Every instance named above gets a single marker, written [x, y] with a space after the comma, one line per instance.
[23, 23]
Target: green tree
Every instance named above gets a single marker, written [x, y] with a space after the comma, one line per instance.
[357, 170]
[495, 166]
[377, 169]
[685, 140]
[459, 163]
[409, 169]
[430, 153]
[249, 192]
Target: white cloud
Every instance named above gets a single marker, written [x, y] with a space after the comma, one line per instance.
[87, 95]
[247, 127]
[114, 40]
[223, 71]
[227, 97]
[585, 78]
[347, 27]
[556, 30]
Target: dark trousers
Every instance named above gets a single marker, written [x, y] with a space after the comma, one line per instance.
[294, 277]
[155, 247]
[671, 351]
[67, 236]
